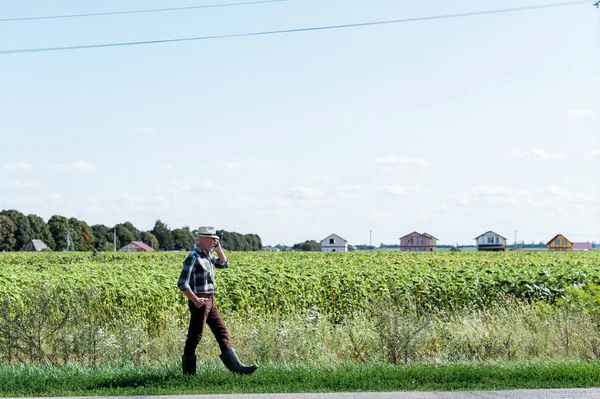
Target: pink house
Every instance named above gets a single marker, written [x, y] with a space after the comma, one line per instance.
[418, 242]
[582, 246]
[136, 246]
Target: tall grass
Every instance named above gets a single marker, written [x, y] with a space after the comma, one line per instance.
[384, 331]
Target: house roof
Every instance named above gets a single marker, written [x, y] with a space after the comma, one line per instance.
[424, 234]
[430, 236]
[142, 245]
[490, 231]
[554, 238]
[414, 232]
[35, 245]
[333, 234]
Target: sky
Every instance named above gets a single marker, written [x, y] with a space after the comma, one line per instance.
[451, 126]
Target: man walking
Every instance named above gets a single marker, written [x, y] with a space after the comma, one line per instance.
[197, 282]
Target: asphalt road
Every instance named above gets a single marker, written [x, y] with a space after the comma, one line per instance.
[593, 393]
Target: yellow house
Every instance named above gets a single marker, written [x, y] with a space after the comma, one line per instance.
[559, 243]
[433, 240]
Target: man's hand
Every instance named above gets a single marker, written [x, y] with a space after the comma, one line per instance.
[219, 250]
[199, 302]
[218, 247]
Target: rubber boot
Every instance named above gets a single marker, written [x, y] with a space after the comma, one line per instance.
[188, 364]
[232, 362]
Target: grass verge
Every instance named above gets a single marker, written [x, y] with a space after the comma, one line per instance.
[166, 379]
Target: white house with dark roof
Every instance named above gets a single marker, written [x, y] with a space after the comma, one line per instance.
[35, 246]
[490, 241]
[334, 243]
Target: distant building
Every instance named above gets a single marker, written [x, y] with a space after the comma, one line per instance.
[418, 242]
[334, 243]
[35, 246]
[490, 241]
[270, 248]
[583, 246]
[136, 246]
[559, 243]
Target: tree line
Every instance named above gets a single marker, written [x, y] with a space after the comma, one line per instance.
[17, 229]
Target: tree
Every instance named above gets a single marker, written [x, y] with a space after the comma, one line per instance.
[233, 241]
[126, 233]
[149, 239]
[308, 245]
[87, 237]
[7, 233]
[183, 238]
[103, 237]
[58, 226]
[163, 235]
[254, 242]
[76, 237]
[23, 231]
[40, 230]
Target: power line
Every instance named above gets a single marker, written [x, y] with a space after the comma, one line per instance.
[102, 14]
[297, 30]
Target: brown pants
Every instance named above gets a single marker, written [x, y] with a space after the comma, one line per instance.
[209, 314]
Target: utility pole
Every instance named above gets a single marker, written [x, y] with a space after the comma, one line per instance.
[370, 238]
[115, 238]
[515, 238]
[70, 244]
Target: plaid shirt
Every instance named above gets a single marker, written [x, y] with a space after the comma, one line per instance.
[198, 272]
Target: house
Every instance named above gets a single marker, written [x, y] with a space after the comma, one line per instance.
[35, 246]
[418, 242]
[433, 240]
[269, 248]
[136, 246]
[559, 243]
[490, 241]
[583, 246]
[334, 243]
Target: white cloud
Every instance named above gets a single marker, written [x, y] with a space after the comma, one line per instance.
[252, 163]
[319, 179]
[94, 207]
[553, 190]
[390, 161]
[374, 213]
[535, 153]
[141, 199]
[15, 166]
[488, 191]
[79, 166]
[593, 155]
[574, 113]
[349, 192]
[597, 78]
[203, 186]
[482, 195]
[145, 130]
[232, 165]
[273, 206]
[534, 203]
[399, 190]
[350, 188]
[550, 197]
[304, 193]
[166, 166]
[19, 185]
[55, 196]
[460, 198]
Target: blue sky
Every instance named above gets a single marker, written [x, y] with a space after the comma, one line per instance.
[453, 127]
